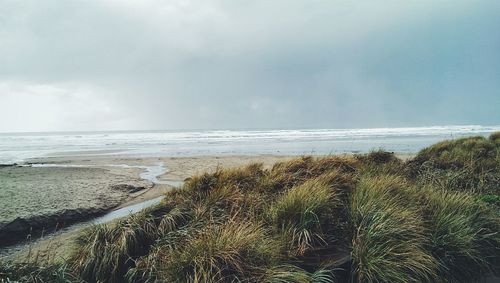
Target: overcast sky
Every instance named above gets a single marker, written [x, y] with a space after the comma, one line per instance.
[168, 64]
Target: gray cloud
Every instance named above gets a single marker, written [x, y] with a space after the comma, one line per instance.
[100, 65]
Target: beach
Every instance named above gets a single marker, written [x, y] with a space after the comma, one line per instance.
[52, 181]
[61, 182]
[52, 206]
[51, 194]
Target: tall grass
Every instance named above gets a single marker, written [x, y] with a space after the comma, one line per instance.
[467, 164]
[37, 266]
[495, 137]
[460, 152]
[36, 272]
[389, 243]
[294, 274]
[464, 234]
[374, 216]
[104, 253]
[303, 212]
[285, 175]
[227, 253]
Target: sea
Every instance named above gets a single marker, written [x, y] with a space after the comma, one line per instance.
[23, 147]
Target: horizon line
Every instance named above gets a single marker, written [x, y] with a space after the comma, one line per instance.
[238, 129]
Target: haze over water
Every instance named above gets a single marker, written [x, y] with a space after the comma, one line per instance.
[20, 147]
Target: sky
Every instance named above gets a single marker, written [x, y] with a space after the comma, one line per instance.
[91, 65]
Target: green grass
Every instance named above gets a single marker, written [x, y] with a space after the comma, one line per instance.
[104, 253]
[464, 234]
[302, 214]
[466, 164]
[495, 137]
[229, 252]
[389, 243]
[491, 199]
[294, 274]
[364, 218]
[36, 273]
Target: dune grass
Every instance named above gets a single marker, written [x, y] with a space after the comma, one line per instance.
[464, 234]
[229, 252]
[36, 272]
[363, 218]
[466, 164]
[294, 274]
[302, 214]
[495, 137]
[389, 243]
[104, 253]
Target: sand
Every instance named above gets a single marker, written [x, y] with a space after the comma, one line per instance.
[88, 181]
[85, 184]
[27, 191]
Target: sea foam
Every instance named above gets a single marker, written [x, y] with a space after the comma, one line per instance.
[21, 147]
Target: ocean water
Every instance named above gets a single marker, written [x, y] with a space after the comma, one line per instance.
[21, 147]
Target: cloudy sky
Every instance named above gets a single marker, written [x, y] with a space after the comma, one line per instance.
[170, 64]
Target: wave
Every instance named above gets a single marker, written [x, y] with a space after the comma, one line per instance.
[22, 147]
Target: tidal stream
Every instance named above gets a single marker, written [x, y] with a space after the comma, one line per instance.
[150, 173]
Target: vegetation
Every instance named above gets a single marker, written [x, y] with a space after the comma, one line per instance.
[37, 268]
[29, 272]
[364, 218]
[389, 243]
[467, 164]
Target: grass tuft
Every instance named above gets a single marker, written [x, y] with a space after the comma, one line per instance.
[104, 253]
[465, 237]
[467, 164]
[389, 243]
[36, 273]
[495, 137]
[303, 212]
[231, 252]
[295, 274]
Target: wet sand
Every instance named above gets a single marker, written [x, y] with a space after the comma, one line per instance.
[27, 191]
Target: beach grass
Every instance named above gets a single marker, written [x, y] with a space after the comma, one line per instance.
[389, 242]
[466, 164]
[362, 218]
